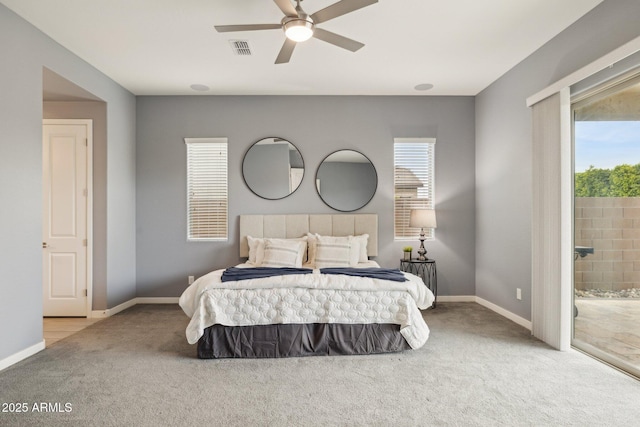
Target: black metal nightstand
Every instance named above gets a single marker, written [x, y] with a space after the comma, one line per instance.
[426, 270]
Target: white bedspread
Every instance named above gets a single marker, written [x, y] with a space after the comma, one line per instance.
[307, 298]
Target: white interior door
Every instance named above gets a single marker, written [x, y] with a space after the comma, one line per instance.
[66, 178]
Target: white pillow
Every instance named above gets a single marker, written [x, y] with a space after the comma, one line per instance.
[312, 241]
[363, 240]
[358, 247]
[336, 252]
[283, 253]
[256, 250]
[329, 255]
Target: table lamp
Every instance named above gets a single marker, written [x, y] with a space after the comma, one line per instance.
[422, 218]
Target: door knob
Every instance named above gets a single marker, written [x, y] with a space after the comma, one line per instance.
[44, 245]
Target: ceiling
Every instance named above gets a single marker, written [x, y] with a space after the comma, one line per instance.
[163, 47]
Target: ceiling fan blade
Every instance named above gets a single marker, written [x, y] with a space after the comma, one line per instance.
[286, 7]
[254, 27]
[336, 39]
[340, 8]
[285, 53]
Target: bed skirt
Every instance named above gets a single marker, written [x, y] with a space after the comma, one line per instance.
[296, 340]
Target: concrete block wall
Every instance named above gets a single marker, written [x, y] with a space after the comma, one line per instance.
[611, 225]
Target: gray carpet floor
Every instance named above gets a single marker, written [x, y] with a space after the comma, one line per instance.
[477, 369]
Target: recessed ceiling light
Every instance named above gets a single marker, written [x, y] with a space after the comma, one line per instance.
[200, 88]
[424, 86]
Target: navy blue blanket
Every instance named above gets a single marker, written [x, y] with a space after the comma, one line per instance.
[234, 273]
[376, 273]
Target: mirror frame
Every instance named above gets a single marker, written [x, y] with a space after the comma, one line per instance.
[375, 188]
[244, 159]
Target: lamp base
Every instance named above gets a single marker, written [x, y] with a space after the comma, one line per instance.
[422, 252]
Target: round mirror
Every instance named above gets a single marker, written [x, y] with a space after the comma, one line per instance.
[346, 180]
[273, 168]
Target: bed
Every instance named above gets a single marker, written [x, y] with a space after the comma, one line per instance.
[307, 288]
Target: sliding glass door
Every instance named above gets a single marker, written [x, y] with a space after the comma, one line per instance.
[606, 131]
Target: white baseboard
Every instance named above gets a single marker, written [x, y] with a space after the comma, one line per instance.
[102, 314]
[445, 298]
[457, 298]
[97, 314]
[506, 313]
[21, 355]
[157, 300]
[491, 306]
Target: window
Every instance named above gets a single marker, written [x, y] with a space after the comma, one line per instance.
[413, 183]
[207, 190]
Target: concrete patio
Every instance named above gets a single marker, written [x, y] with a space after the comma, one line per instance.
[611, 325]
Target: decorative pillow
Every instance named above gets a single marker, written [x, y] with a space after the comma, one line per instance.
[256, 250]
[302, 239]
[312, 241]
[363, 240]
[305, 255]
[336, 252]
[283, 253]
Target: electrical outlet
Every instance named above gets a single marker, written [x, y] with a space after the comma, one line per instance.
[518, 294]
[191, 279]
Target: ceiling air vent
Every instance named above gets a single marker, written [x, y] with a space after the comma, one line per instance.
[240, 47]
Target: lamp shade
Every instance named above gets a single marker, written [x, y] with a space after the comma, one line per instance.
[423, 218]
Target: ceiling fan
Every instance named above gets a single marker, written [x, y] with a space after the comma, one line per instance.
[298, 26]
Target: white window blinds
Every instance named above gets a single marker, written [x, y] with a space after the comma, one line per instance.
[207, 189]
[413, 183]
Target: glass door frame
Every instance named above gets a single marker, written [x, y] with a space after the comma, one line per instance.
[603, 90]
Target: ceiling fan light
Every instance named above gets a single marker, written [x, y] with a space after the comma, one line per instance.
[298, 30]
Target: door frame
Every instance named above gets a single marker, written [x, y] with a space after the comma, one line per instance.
[591, 69]
[88, 123]
[604, 89]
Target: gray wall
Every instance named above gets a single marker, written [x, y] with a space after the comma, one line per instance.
[503, 149]
[25, 51]
[323, 125]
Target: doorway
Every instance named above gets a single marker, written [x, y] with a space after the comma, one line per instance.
[67, 213]
[606, 133]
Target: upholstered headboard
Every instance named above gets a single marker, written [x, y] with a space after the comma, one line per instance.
[291, 226]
